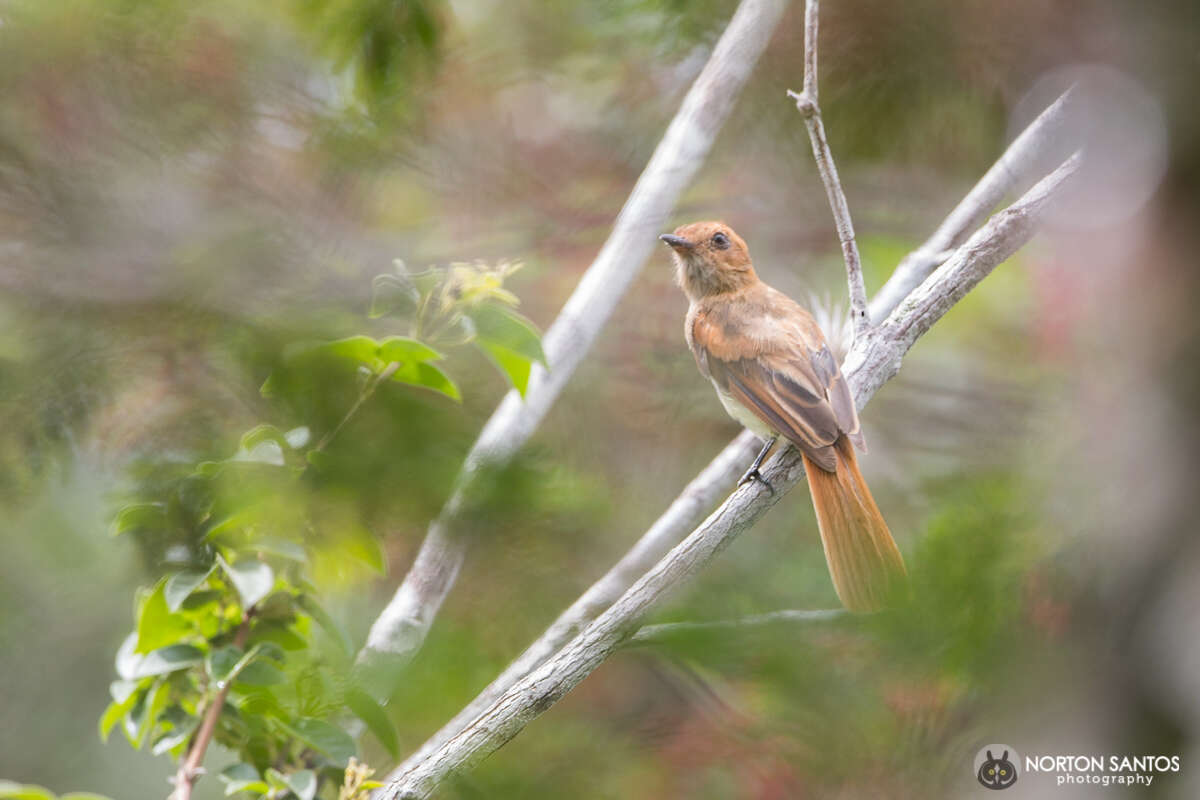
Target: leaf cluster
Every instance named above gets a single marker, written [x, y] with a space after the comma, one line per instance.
[235, 625]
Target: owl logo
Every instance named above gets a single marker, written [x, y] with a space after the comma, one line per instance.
[995, 773]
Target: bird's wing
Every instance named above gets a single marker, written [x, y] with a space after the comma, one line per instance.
[786, 376]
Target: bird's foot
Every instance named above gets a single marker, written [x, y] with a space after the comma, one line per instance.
[753, 475]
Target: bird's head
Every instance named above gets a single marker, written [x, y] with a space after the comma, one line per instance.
[709, 259]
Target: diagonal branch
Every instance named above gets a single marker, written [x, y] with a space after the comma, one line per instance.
[1030, 148]
[684, 513]
[711, 483]
[401, 627]
[878, 360]
[806, 102]
[872, 361]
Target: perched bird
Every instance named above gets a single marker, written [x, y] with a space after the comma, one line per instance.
[775, 374]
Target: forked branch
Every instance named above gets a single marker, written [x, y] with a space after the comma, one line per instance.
[872, 361]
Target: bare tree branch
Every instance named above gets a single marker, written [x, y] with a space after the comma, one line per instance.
[1038, 139]
[684, 513]
[401, 628]
[708, 486]
[656, 634]
[806, 102]
[872, 361]
[873, 364]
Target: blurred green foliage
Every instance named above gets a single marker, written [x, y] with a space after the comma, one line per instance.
[390, 47]
[18, 791]
[236, 626]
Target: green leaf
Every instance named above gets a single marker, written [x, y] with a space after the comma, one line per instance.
[515, 366]
[239, 519]
[269, 387]
[280, 547]
[252, 578]
[267, 451]
[125, 695]
[276, 780]
[405, 350]
[24, 791]
[500, 325]
[242, 778]
[198, 602]
[377, 720]
[222, 662]
[210, 469]
[424, 281]
[319, 459]
[175, 737]
[195, 495]
[131, 666]
[122, 691]
[362, 349]
[392, 293]
[230, 664]
[279, 634]
[314, 609]
[142, 718]
[139, 516]
[262, 433]
[127, 660]
[428, 376]
[326, 738]
[157, 625]
[362, 545]
[303, 784]
[180, 585]
[260, 673]
[111, 716]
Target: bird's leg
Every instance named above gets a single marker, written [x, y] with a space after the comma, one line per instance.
[753, 474]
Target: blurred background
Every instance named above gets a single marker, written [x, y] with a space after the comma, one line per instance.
[188, 188]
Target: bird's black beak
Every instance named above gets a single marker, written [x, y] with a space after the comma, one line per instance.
[677, 242]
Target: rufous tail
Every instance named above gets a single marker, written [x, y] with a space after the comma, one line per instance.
[864, 562]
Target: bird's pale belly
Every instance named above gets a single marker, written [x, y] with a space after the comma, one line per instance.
[744, 415]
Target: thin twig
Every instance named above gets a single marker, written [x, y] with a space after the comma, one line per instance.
[189, 769]
[806, 102]
[668, 631]
[401, 627]
[873, 360]
[368, 390]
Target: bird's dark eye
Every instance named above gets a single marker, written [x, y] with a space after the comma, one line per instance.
[720, 241]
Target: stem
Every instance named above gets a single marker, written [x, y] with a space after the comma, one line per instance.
[367, 391]
[189, 769]
[806, 102]
[665, 632]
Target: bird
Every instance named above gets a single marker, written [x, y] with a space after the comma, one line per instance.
[774, 373]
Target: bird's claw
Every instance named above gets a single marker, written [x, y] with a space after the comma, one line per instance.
[753, 475]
